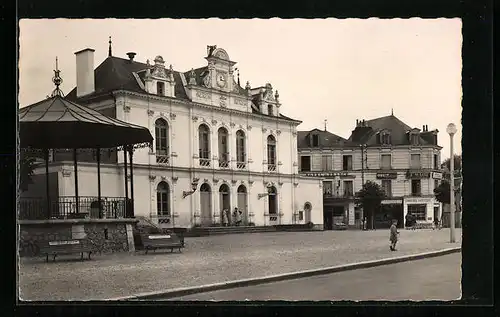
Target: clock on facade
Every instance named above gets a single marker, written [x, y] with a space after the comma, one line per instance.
[221, 80]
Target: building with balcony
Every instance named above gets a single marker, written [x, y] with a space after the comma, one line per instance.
[217, 145]
[404, 161]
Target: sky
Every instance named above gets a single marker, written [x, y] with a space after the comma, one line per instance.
[337, 70]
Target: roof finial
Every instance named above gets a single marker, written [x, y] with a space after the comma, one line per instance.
[109, 49]
[238, 73]
[325, 123]
[392, 111]
[57, 80]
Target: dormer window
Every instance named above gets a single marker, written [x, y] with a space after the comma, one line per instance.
[315, 140]
[160, 88]
[385, 138]
[270, 110]
[414, 138]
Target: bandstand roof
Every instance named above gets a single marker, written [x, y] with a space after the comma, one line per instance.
[59, 123]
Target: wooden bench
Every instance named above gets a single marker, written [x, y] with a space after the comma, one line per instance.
[54, 248]
[161, 241]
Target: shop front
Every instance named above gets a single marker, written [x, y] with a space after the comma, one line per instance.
[338, 199]
[390, 209]
[420, 207]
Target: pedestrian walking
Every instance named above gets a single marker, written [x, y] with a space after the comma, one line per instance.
[224, 217]
[394, 235]
[237, 216]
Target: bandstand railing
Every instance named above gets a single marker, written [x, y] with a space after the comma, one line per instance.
[65, 207]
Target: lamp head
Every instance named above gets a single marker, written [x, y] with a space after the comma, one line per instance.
[194, 185]
[451, 129]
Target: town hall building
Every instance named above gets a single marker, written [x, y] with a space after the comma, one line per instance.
[217, 145]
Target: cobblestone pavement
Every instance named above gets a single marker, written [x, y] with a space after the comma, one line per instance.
[428, 279]
[215, 259]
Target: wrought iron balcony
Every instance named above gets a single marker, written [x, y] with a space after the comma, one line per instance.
[241, 165]
[338, 195]
[65, 207]
[205, 162]
[271, 167]
[223, 164]
[162, 159]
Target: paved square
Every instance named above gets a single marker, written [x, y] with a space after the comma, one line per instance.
[207, 260]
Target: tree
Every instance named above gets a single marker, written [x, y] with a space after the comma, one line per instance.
[457, 163]
[27, 164]
[370, 198]
[442, 192]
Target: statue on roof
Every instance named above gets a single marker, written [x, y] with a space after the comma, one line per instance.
[192, 77]
[159, 67]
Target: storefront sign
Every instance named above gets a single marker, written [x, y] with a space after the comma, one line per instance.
[326, 174]
[417, 175]
[388, 175]
[391, 201]
[417, 200]
[437, 175]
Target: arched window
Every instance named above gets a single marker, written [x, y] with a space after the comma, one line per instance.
[161, 140]
[240, 149]
[270, 110]
[204, 145]
[223, 148]
[160, 88]
[271, 153]
[162, 199]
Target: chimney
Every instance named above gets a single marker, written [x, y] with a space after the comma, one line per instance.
[357, 122]
[85, 83]
[426, 128]
[131, 56]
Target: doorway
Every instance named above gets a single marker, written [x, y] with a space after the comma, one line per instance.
[242, 204]
[307, 212]
[206, 205]
[273, 205]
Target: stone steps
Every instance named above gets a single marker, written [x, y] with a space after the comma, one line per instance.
[208, 231]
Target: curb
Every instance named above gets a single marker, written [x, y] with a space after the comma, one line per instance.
[179, 292]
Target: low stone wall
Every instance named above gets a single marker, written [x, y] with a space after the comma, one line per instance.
[104, 235]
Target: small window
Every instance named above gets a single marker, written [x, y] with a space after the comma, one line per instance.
[419, 211]
[326, 162]
[416, 187]
[348, 189]
[315, 140]
[385, 138]
[415, 161]
[270, 110]
[436, 161]
[436, 183]
[327, 188]
[160, 88]
[385, 161]
[347, 162]
[414, 138]
[305, 163]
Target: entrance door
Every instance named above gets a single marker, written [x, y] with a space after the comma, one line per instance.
[242, 204]
[224, 199]
[206, 205]
[328, 218]
[307, 211]
[273, 206]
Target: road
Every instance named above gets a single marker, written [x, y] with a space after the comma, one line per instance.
[428, 279]
[214, 259]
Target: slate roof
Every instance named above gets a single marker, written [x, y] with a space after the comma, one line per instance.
[326, 139]
[116, 73]
[367, 134]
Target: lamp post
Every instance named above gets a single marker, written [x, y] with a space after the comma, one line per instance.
[451, 129]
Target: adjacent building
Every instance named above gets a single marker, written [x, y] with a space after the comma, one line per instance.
[217, 145]
[404, 161]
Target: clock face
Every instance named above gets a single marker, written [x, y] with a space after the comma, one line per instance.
[221, 80]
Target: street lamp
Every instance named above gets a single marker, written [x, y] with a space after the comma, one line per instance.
[451, 129]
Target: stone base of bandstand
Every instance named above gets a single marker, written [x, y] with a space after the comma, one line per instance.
[104, 235]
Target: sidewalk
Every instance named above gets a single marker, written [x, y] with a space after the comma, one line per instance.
[215, 259]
